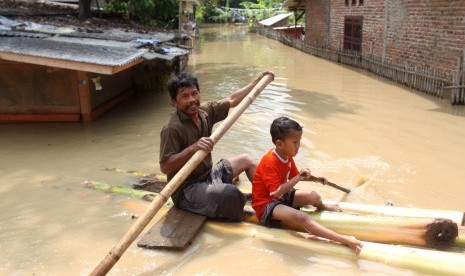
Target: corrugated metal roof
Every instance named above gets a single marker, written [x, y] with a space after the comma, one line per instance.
[46, 48]
[104, 52]
[275, 19]
[23, 34]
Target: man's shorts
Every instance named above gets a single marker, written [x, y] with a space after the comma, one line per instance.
[287, 199]
[215, 198]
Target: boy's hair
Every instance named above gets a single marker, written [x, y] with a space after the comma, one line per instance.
[181, 81]
[281, 127]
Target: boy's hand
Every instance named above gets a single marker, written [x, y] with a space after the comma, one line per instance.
[305, 173]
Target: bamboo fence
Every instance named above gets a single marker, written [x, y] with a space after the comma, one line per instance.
[430, 81]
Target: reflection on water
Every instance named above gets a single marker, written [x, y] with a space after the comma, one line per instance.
[408, 147]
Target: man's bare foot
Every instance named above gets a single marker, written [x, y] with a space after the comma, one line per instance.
[332, 207]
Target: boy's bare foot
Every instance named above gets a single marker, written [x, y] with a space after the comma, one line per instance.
[353, 243]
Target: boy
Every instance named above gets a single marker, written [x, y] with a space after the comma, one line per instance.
[274, 198]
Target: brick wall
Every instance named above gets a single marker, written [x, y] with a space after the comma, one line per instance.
[428, 34]
[317, 23]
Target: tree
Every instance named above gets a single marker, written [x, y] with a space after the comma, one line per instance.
[84, 8]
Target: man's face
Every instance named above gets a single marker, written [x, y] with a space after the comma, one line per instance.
[187, 100]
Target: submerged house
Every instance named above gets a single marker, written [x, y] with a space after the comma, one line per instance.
[67, 74]
[424, 39]
[280, 20]
[281, 24]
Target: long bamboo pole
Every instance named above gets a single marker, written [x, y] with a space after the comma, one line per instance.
[424, 232]
[115, 254]
[418, 259]
[360, 208]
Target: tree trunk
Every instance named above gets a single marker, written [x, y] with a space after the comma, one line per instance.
[84, 8]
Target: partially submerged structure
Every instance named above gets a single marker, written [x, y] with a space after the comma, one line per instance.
[279, 20]
[52, 73]
[281, 24]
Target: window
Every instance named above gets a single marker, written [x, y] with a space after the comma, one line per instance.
[353, 33]
[354, 2]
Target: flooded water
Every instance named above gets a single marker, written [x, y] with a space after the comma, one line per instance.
[409, 149]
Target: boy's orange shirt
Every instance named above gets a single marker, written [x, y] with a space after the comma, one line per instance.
[271, 172]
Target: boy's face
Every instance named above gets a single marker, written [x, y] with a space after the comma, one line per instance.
[291, 144]
[187, 100]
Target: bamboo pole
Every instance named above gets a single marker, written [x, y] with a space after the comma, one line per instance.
[421, 260]
[145, 195]
[424, 232]
[115, 254]
[460, 240]
[359, 208]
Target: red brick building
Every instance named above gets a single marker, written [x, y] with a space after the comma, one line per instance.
[427, 34]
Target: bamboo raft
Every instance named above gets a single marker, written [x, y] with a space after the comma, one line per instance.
[392, 234]
[421, 228]
[409, 257]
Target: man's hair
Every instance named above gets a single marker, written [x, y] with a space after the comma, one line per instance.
[181, 81]
[281, 127]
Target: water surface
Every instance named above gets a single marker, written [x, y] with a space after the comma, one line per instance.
[408, 147]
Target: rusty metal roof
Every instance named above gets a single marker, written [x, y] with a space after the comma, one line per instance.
[105, 52]
[70, 51]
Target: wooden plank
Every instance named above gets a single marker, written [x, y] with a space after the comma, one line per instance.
[84, 95]
[39, 109]
[175, 230]
[40, 117]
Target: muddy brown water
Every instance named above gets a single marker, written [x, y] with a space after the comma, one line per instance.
[407, 147]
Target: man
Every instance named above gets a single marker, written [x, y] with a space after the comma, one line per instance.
[208, 190]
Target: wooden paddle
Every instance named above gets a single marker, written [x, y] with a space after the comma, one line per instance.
[323, 181]
[115, 254]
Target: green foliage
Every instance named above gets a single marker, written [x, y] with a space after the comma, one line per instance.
[160, 13]
[228, 10]
[117, 6]
[206, 10]
[219, 16]
[164, 13]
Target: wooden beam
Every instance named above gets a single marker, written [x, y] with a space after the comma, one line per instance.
[84, 95]
[68, 64]
[40, 117]
[40, 109]
[99, 111]
[297, 17]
